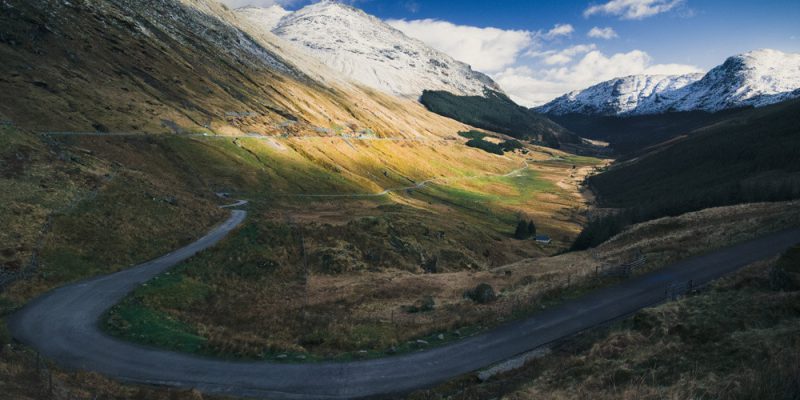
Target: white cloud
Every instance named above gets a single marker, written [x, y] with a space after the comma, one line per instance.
[602, 33]
[561, 57]
[486, 49]
[559, 30]
[632, 9]
[532, 87]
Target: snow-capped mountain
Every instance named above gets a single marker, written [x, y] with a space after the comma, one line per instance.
[754, 79]
[267, 17]
[618, 96]
[369, 51]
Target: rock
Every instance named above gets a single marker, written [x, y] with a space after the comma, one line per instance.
[481, 294]
[282, 357]
[422, 342]
[440, 337]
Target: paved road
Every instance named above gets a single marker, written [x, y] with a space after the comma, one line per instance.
[63, 326]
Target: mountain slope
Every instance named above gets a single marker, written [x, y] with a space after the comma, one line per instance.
[627, 135]
[176, 65]
[368, 51]
[751, 156]
[496, 112]
[752, 79]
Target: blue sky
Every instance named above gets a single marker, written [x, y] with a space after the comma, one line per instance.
[538, 50]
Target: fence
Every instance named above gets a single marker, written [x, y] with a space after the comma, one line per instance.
[620, 271]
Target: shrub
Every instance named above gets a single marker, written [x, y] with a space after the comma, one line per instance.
[521, 233]
[511, 145]
[785, 275]
[525, 230]
[481, 294]
[425, 304]
[488, 147]
[472, 135]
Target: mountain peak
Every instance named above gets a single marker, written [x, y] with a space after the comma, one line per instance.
[368, 51]
[753, 79]
[618, 96]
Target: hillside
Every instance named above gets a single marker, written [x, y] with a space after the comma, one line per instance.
[203, 69]
[628, 135]
[496, 112]
[749, 157]
[737, 340]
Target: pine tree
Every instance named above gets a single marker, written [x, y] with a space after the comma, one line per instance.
[522, 231]
[531, 229]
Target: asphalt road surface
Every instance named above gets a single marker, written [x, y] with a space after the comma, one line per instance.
[63, 325]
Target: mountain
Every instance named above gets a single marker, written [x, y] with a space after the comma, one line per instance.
[749, 156]
[266, 18]
[170, 65]
[617, 96]
[754, 79]
[369, 51]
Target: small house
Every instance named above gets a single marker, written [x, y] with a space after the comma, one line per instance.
[543, 239]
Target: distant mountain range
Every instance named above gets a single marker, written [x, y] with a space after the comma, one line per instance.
[368, 51]
[752, 79]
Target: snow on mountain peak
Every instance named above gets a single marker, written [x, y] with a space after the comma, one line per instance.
[617, 96]
[267, 17]
[370, 52]
[756, 78]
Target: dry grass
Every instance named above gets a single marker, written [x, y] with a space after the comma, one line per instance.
[332, 315]
[737, 341]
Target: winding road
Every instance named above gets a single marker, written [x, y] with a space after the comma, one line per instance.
[64, 325]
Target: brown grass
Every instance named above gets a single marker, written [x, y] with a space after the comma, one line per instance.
[364, 309]
[737, 341]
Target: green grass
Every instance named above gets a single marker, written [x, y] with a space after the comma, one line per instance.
[144, 325]
[138, 318]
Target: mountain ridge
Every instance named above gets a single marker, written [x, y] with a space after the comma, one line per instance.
[753, 79]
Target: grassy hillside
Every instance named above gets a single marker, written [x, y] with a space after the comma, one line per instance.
[498, 113]
[747, 158]
[350, 302]
[87, 205]
[120, 65]
[738, 340]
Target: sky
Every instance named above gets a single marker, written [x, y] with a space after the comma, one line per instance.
[539, 50]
